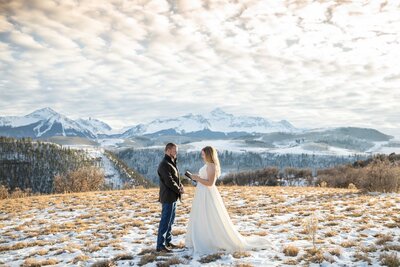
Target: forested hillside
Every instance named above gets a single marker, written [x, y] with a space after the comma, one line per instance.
[30, 164]
[129, 176]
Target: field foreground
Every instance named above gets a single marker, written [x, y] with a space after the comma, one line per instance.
[120, 227]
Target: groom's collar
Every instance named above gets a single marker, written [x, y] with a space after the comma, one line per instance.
[169, 158]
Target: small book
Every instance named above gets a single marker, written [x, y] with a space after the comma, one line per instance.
[188, 174]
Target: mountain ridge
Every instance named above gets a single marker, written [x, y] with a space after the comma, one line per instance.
[46, 122]
[217, 121]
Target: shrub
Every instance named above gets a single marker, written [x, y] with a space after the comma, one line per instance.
[310, 225]
[380, 176]
[340, 176]
[3, 192]
[266, 176]
[377, 175]
[391, 260]
[292, 175]
[17, 193]
[352, 186]
[291, 251]
[82, 180]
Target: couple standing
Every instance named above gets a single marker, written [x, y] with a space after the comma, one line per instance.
[210, 228]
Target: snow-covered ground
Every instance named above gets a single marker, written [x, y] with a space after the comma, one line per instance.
[121, 226]
[241, 146]
[384, 148]
[305, 148]
[315, 150]
[388, 150]
[223, 145]
[110, 142]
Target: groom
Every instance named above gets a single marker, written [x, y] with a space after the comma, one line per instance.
[171, 190]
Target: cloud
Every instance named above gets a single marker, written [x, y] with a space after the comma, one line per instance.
[314, 64]
[189, 5]
[4, 24]
[23, 40]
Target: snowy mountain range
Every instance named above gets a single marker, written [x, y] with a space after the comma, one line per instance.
[216, 121]
[46, 123]
[236, 132]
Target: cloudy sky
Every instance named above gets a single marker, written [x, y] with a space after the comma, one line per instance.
[313, 63]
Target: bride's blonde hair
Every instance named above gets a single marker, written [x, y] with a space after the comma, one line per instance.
[212, 157]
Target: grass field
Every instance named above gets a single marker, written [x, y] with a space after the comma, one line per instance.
[120, 227]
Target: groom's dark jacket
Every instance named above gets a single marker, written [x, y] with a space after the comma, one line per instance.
[169, 180]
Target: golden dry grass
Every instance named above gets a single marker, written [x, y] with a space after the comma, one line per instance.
[80, 258]
[391, 260]
[147, 259]
[34, 263]
[241, 254]
[290, 262]
[362, 257]
[211, 258]
[291, 251]
[170, 262]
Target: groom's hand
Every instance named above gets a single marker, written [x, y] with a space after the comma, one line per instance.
[181, 189]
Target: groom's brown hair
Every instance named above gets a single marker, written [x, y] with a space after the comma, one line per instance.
[169, 146]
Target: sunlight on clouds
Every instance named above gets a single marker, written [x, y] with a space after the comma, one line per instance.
[157, 6]
[310, 62]
[5, 54]
[189, 5]
[4, 24]
[24, 40]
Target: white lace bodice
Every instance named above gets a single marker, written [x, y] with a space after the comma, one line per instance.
[203, 173]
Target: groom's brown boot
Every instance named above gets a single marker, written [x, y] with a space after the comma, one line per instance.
[163, 249]
[171, 246]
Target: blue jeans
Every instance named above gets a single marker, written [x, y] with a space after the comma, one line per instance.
[167, 219]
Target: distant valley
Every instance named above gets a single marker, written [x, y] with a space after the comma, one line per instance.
[244, 143]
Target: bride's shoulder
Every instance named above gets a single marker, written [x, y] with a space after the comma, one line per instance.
[210, 165]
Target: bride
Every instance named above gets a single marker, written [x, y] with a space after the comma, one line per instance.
[210, 228]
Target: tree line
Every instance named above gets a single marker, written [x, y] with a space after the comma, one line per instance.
[146, 161]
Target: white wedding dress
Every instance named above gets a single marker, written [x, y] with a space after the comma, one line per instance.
[210, 228]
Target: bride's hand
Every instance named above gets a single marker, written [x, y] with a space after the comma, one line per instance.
[195, 177]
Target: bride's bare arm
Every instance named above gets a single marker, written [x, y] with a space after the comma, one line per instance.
[210, 175]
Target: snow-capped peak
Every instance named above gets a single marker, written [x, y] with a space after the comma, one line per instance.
[217, 120]
[220, 113]
[95, 126]
[31, 118]
[44, 122]
[42, 113]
